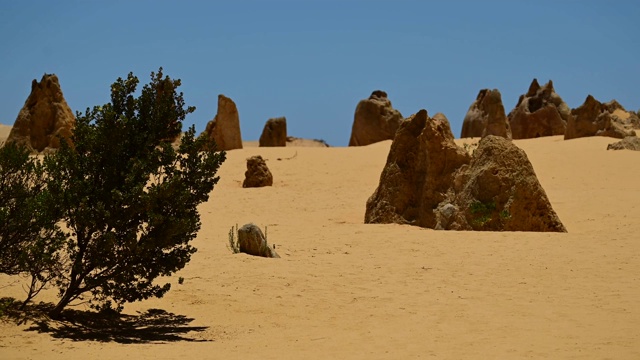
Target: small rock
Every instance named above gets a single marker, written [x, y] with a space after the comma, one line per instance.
[257, 174]
[252, 241]
[628, 143]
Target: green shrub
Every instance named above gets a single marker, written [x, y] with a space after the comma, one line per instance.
[127, 198]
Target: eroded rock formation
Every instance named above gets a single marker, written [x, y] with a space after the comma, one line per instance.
[257, 174]
[45, 117]
[539, 112]
[486, 116]
[628, 143]
[419, 171]
[594, 118]
[225, 126]
[431, 182]
[375, 120]
[274, 133]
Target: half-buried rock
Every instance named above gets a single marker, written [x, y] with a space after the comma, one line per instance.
[257, 174]
[252, 241]
[274, 133]
[431, 182]
[628, 143]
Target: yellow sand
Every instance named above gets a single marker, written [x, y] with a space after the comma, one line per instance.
[4, 132]
[346, 290]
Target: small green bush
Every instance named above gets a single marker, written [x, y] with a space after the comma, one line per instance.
[483, 211]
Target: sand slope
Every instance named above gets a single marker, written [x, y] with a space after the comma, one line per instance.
[347, 290]
[4, 132]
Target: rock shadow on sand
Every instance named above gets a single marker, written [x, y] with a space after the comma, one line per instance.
[151, 326]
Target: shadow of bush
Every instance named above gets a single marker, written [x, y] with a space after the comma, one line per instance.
[151, 326]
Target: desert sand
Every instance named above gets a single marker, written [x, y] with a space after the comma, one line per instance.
[346, 290]
[4, 132]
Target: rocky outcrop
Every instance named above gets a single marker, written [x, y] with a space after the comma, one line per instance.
[45, 117]
[224, 129]
[430, 182]
[257, 174]
[486, 116]
[498, 191]
[375, 120]
[628, 119]
[539, 112]
[252, 241]
[274, 133]
[419, 171]
[628, 143]
[594, 118]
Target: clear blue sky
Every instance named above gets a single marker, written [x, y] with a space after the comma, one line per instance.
[312, 61]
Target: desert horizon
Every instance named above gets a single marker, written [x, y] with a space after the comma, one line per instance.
[345, 289]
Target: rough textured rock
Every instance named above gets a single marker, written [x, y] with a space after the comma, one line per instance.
[486, 116]
[594, 118]
[539, 112]
[375, 120]
[225, 126]
[628, 119]
[430, 182]
[257, 174]
[44, 117]
[253, 242]
[274, 133]
[628, 143]
[498, 191]
[419, 171]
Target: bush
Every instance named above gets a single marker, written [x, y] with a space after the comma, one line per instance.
[29, 236]
[233, 245]
[127, 198]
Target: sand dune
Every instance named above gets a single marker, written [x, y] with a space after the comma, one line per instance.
[347, 290]
[4, 132]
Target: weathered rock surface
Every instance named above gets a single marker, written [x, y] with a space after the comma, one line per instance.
[274, 133]
[257, 174]
[431, 182]
[375, 120]
[419, 171]
[253, 242]
[225, 126]
[539, 112]
[628, 143]
[594, 118]
[44, 118]
[486, 116]
[498, 191]
[628, 119]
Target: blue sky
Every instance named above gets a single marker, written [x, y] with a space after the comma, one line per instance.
[312, 61]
